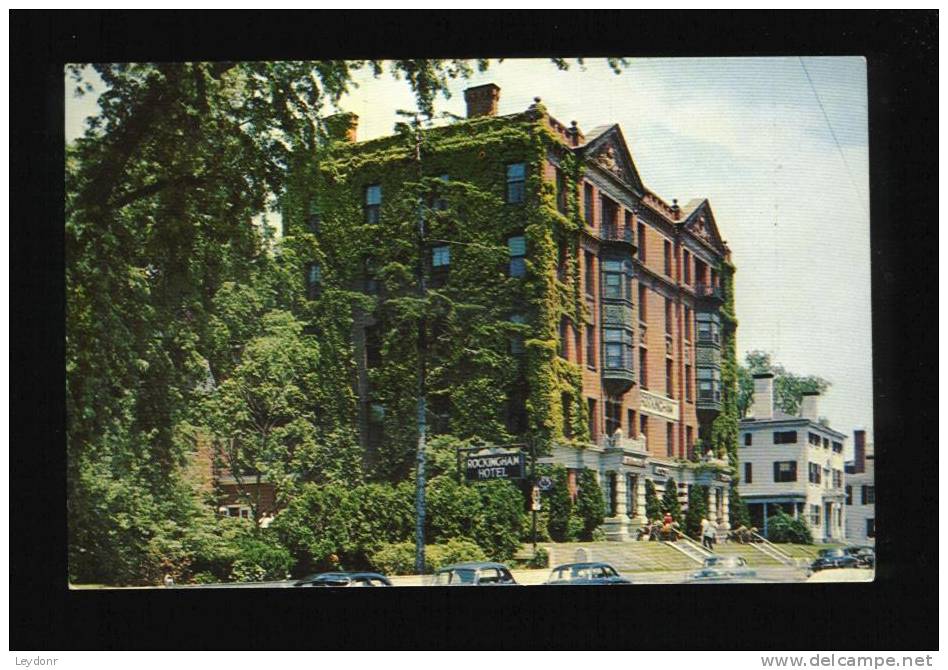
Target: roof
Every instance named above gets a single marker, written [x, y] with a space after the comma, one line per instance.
[783, 417]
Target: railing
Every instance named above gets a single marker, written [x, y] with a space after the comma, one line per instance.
[616, 233]
[766, 546]
[706, 290]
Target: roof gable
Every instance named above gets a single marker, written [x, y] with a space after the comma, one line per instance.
[608, 149]
[700, 223]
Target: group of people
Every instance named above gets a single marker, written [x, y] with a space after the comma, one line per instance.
[664, 529]
[744, 535]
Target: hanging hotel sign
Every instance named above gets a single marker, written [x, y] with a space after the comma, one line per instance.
[658, 405]
[498, 465]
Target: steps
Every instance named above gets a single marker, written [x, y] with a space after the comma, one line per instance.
[754, 558]
[625, 557]
[691, 549]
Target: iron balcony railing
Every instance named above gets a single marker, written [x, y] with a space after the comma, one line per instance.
[616, 233]
[705, 290]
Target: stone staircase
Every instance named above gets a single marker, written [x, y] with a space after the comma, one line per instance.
[626, 557]
[754, 557]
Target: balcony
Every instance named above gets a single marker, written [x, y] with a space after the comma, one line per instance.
[610, 232]
[618, 371]
[710, 291]
[709, 401]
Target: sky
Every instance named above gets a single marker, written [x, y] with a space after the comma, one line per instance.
[779, 146]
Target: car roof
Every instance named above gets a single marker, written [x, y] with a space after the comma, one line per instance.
[473, 565]
[588, 564]
[343, 575]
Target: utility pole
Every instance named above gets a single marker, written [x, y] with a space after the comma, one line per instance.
[422, 348]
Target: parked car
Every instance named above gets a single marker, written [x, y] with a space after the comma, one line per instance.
[344, 579]
[584, 574]
[833, 558]
[473, 574]
[724, 567]
[865, 554]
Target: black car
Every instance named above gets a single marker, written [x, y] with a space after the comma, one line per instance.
[866, 555]
[584, 574]
[344, 579]
[473, 574]
[834, 558]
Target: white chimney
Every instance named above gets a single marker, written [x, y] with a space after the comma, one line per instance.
[809, 405]
[763, 405]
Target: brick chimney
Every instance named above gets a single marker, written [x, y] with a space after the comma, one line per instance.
[763, 406]
[342, 127]
[809, 405]
[859, 448]
[482, 100]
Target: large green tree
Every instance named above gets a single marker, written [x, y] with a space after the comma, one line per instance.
[789, 387]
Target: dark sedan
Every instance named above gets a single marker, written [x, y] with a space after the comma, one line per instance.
[834, 558]
[344, 579]
[864, 554]
[474, 574]
[585, 574]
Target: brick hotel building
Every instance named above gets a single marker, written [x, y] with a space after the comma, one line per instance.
[613, 305]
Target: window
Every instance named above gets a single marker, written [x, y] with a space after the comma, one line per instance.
[785, 471]
[689, 397]
[669, 439]
[813, 439]
[560, 191]
[441, 257]
[643, 426]
[868, 495]
[631, 424]
[590, 268]
[593, 419]
[516, 178]
[613, 415]
[516, 342]
[815, 471]
[709, 384]
[440, 202]
[313, 279]
[312, 219]
[849, 494]
[668, 258]
[373, 201]
[814, 515]
[870, 527]
[687, 325]
[562, 257]
[748, 473]
[785, 437]
[613, 285]
[686, 263]
[837, 478]
[641, 235]
[689, 439]
[588, 204]
[517, 246]
[826, 443]
[564, 326]
[591, 346]
[566, 404]
[643, 300]
[748, 439]
[613, 338]
[643, 367]
[669, 317]
[609, 212]
[373, 347]
[669, 379]
[838, 447]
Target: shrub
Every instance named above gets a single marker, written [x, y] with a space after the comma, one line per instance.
[540, 560]
[261, 561]
[204, 578]
[399, 558]
[560, 505]
[782, 528]
[574, 528]
[497, 519]
[670, 502]
[697, 510]
[653, 509]
[459, 550]
[590, 506]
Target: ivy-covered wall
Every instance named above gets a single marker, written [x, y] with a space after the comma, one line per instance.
[724, 430]
[472, 373]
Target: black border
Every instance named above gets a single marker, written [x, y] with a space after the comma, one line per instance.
[898, 611]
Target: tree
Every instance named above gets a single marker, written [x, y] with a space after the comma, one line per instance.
[737, 508]
[697, 510]
[560, 505]
[653, 509]
[264, 417]
[670, 502]
[590, 505]
[781, 527]
[788, 386]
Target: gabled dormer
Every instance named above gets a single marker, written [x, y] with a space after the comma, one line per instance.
[606, 147]
[698, 220]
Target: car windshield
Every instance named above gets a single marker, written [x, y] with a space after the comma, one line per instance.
[456, 576]
[331, 581]
[583, 572]
[831, 553]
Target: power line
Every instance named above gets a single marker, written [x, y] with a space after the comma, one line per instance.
[835, 139]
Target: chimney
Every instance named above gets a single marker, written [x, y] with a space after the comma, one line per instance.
[482, 100]
[859, 448]
[342, 127]
[763, 405]
[809, 405]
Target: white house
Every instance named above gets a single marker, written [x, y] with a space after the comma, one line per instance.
[792, 463]
[861, 492]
